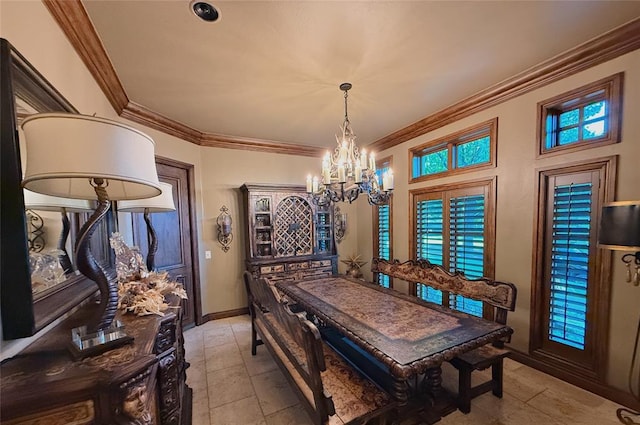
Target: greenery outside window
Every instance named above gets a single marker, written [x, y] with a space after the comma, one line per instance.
[382, 228]
[586, 117]
[469, 149]
[454, 226]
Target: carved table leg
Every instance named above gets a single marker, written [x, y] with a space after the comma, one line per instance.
[434, 381]
[400, 391]
[443, 401]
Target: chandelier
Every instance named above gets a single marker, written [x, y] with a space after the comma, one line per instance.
[348, 172]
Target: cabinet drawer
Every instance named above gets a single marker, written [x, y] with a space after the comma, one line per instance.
[320, 263]
[277, 268]
[297, 266]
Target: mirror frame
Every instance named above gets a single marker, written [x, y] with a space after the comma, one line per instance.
[22, 316]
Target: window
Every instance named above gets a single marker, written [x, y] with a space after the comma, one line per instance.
[569, 307]
[454, 226]
[465, 150]
[382, 225]
[586, 117]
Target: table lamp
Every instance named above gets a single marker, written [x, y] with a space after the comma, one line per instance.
[40, 202]
[84, 157]
[160, 203]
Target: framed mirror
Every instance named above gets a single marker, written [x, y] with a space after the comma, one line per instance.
[25, 307]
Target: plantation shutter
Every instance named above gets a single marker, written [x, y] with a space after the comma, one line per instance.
[466, 240]
[384, 243]
[568, 265]
[430, 231]
[466, 245]
[430, 241]
[382, 232]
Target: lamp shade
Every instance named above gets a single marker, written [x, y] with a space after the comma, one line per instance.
[620, 226]
[65, 151]
[160, 203]
[38, 201]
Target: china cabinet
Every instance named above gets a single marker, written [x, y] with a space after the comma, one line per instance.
[288, 237]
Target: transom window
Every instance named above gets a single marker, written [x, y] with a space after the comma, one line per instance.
[588, 116]
[453, 227]
[471, 148]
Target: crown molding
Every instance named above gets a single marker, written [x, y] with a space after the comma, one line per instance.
[72, 18]
[145, 116]
[617, 42]
[233, 142]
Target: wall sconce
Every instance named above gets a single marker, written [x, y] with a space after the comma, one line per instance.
[157, 204]
[225, 235]
[83, 157]
[339, 224]
[620, 231]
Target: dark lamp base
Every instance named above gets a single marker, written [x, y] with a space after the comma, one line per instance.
[86, 344]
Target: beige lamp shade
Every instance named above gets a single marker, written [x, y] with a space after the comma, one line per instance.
[160, 203]
[65, 151]
[38, 201]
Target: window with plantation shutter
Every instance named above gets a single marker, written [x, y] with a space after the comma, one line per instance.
[382, 220]
[570, 298]
[453, 228]
[569, 263]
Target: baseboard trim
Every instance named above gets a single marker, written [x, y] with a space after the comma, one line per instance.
[225, 314]
[599, 388]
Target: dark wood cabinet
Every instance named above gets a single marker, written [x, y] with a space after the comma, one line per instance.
[142, 383]
[288, 237]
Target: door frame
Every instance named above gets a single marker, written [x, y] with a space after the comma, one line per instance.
[193, 237]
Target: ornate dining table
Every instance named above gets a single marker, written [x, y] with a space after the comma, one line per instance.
[406, 334]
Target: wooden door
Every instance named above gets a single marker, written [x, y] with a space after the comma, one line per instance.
[177, 237]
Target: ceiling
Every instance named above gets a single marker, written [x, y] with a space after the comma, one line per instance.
[270, 70]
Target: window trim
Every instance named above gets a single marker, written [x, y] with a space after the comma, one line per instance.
[490, 185]
[380, 163]
[612, 86]
[596, 369]
[458, 138]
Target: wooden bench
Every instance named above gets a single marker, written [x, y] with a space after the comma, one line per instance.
[497, 299]
[330, 389]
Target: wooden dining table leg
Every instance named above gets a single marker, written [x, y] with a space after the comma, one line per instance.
[400, 391]
[434, 381]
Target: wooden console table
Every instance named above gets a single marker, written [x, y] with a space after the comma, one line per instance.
[140, 383]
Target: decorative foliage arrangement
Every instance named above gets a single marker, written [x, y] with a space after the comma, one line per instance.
[146, 294]
[140, 291]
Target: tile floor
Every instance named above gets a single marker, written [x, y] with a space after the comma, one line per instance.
[232, 387]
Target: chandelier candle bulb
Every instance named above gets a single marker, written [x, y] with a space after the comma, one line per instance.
[358, 174]
[314, 186]
[309, 183]
[372, 162]
[363, 159]
[388, 185]
[341, 174]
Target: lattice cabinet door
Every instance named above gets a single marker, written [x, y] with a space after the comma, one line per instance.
[293, 227]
